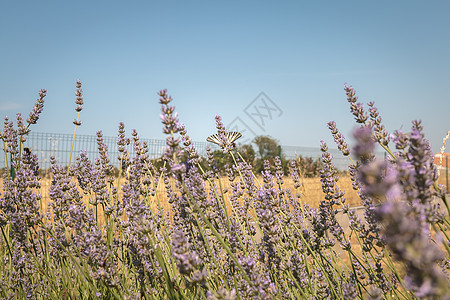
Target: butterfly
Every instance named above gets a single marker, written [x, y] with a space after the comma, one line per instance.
[231, 136]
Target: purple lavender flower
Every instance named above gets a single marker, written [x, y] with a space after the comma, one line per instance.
[260, 285]
[165, 98]
[79, 103]
[143, 228]
[212, 163]
[122, 141]
[421, 157]
[79, 99]
[91, 244]
[169, 118]
[356, 108]
[365, 145]
[378, 179]
[21, 215]
[409, 242]
[9, 137]
[221, 294]
[267, 176]
[329, 178]
[417, 173]
[104, 156]
[22, 131]
[400, 139]
[380, 133]
[323, 289]
[37, 109]
[187, 260]
[349, 290]
[279, 174]
[338, 138]
[189, 147]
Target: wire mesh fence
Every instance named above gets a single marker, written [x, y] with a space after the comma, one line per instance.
[45, 145]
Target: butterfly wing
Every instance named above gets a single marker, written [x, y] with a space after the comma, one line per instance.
[232, 136]
[213, 139]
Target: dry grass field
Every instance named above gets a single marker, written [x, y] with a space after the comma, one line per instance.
[311, 190]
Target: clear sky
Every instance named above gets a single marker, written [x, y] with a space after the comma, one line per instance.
[218, 56]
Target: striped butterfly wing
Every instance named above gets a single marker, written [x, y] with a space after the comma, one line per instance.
[213, 139]
[232, 136]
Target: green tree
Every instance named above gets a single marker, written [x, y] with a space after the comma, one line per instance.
[267, 149]
[248, 153]
[267, 146]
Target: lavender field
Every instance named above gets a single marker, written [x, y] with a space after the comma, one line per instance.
[183, 230]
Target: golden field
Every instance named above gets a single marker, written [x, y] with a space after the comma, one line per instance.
[311, 190]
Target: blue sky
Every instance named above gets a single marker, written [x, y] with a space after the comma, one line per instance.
[217, 57]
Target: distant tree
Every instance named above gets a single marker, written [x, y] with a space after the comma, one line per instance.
[248, 153]
[267, 149]
[267, 146]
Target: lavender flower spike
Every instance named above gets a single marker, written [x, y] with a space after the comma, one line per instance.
[79, 103]
[377, 178]
[37, 109]
[356, 108]
[169, 118]
[187, 260]
[338, 138]
[365, 145]
[409, 242]
[79, 94]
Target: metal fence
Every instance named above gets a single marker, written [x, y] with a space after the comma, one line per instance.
[59, 146]
[341, 162]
